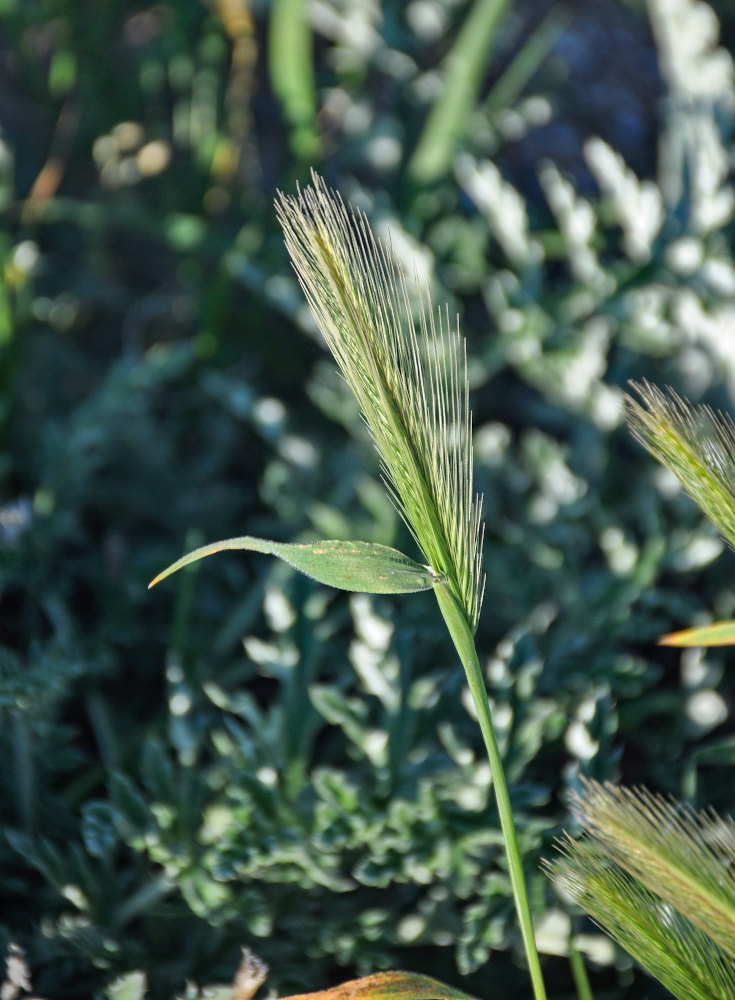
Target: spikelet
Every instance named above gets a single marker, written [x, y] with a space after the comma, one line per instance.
[695, 443]
[657, 876]
[409, 377]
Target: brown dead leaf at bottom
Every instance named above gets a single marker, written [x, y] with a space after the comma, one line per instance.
[387, 986]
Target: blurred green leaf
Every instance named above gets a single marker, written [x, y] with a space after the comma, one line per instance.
[463, 68]
[290, 62]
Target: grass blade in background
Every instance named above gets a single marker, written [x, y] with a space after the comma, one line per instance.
[463, 69]
[579, 972]
[291, 69]
[526, 62]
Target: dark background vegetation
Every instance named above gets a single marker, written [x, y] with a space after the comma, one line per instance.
[241, 757]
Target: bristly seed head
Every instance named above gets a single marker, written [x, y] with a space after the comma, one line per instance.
[409, 377]
[693, 442]
[656, 876]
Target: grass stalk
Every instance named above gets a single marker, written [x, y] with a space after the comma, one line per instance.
[465, 645]
[410, 378]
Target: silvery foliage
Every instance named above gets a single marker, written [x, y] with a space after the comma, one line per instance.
[649, 259]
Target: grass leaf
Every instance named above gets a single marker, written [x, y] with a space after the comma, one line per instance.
[714, 634]
[409, 377]
[291, 68]
[362, 567]
[451, 113]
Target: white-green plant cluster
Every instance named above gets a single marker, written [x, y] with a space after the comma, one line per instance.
[671, 288]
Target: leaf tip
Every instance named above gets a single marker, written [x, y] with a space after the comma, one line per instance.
[714, 634]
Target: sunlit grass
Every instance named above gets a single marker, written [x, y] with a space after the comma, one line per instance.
[656, 876]
[409, 376]
[695, 443]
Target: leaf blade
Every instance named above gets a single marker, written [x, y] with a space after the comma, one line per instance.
[361, 567]
[714, 634]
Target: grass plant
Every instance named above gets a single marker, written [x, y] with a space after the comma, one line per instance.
[406, 365]
[655, 875]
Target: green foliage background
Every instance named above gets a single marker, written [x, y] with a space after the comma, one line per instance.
[169, 792]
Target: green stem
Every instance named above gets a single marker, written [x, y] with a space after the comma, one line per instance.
[465, 646]
[579, 972]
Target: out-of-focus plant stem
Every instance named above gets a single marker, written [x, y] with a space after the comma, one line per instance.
[291, 69]
[463, 70]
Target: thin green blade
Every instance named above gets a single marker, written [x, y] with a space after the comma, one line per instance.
[714, 634]
[451, 113]
[362, 567]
